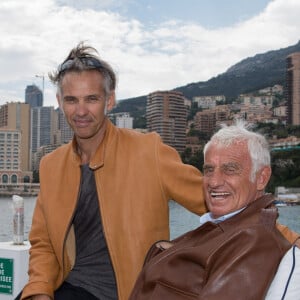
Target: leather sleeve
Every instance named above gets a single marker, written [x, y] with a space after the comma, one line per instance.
[243, 267]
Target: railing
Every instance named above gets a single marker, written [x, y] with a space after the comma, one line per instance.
[23, 189]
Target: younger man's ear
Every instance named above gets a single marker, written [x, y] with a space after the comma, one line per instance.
[58, 101]
[111, 101]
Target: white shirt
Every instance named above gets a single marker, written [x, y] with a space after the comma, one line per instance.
[207, 217]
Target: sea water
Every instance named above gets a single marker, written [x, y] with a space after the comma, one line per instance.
[181, 220]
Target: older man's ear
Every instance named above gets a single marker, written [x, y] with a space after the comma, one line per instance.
[263, 177]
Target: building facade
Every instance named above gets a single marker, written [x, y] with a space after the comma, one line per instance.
[14, 143]
[293, 88]
[66, 132]
[207, 102]
[257, 99]
[44, 126]
[208, 120]
[124, 121]
[10, 160]
[16, 116]
[33, 96]
[166, 114]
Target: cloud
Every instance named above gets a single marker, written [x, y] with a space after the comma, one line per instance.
[37, 35]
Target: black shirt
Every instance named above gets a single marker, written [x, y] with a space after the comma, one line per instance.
[93, 269]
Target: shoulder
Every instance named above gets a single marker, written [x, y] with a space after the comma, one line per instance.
[136, 135]
[57, 154]
[128, 138]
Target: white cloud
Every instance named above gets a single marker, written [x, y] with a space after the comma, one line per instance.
[37, 35]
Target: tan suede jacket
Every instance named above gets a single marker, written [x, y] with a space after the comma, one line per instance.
[136, 174]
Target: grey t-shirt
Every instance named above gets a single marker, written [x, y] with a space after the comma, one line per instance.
[93, 269]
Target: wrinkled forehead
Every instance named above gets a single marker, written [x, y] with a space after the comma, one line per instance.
[237, 150]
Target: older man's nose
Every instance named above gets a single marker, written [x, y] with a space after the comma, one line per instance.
[216, 178]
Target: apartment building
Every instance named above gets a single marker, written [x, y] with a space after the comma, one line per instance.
[166, 114]
[255, 113]
[123, 120]
[293, 88]
[208, 120]
[249, 99]
[15, 116]
[207, 102]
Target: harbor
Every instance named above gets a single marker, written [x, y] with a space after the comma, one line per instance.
[181, 220]
[14, 258]
[287, 196]
[21, 189]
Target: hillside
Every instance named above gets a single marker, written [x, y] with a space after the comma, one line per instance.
[248, 75]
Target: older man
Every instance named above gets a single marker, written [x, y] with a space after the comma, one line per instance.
[235, 252]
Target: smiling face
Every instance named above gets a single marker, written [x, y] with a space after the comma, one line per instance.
[83, 102]
[227, 183]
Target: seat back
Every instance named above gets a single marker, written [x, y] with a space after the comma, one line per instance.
[286, 283]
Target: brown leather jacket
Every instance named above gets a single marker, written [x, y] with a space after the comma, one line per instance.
[136, 175]
[235, 259]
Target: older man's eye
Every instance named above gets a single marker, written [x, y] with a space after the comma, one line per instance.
[208, 170]
[231, 169]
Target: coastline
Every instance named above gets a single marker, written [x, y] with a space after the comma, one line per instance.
[22, 194]
[21, 189]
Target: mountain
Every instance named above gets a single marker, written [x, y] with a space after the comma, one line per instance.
[250, 74]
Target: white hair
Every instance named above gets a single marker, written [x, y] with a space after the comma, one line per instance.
[258, 146]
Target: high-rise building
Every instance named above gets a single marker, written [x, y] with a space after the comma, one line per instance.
[43, 127]
[33, 96]
[293, 88]
[167, 115]
[66, 131]
[15, 141]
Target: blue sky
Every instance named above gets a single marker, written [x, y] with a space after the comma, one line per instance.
[152, 45]
[208, 13]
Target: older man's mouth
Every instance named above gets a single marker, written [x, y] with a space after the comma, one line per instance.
[219, 195]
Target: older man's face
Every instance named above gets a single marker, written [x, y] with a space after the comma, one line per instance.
[227, 183]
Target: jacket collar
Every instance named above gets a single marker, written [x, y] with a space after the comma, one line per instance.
[267, 215]
[262, 205]
[97, 160]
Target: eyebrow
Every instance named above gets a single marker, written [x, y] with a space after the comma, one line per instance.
[224, 167]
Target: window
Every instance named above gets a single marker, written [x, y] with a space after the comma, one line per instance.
[4, 178]
[14, 178]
